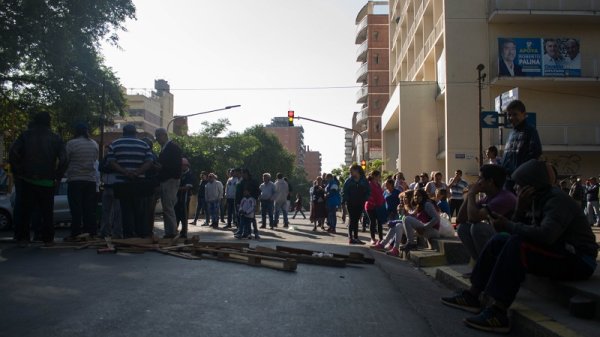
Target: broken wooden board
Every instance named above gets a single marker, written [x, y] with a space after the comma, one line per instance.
[222, 244]
[308, 259]
[353, 257]
[186, 256]
[249, 259]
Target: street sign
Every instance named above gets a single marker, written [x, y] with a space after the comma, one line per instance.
[488, 119]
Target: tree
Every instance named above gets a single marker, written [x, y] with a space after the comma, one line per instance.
[50, 58]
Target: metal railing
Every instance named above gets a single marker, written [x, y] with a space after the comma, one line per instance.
[362, 49]
[364, 68]
[361, 25]
[362, 93]
[362, 115]
[565, 134]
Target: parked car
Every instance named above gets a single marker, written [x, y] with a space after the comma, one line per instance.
[6, 211]
[62, 213]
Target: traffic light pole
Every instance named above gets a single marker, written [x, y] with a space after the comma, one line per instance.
[339, 127]
[201, 113]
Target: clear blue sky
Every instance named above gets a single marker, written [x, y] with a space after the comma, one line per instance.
[199, 44]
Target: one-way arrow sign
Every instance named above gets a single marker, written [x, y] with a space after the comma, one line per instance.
[488, 119]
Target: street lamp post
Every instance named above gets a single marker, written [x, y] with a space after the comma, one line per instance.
[201, 113]
[480, 79]
[339, 127]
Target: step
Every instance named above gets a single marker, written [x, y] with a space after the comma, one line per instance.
[444, 252]
[531, 314]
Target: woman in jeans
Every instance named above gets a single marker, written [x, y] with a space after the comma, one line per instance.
[375, 206]
[333, 201]
[426, 220]
[355, 193]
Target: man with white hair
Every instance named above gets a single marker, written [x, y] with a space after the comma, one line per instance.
[169, 165]
[213, 194]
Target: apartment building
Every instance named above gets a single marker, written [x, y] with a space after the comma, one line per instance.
[372, 36]
[312, 164]
[291, 137]
[432, 119]
[148, 112]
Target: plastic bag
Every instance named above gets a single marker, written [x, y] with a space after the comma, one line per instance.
[446, 230]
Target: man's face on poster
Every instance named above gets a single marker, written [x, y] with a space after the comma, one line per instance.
[509, 51]
[572, 48]
[552, 49]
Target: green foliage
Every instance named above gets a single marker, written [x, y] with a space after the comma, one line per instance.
[212, 150]
[50, 58]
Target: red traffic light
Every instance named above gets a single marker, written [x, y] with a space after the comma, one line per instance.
[363, 164]
[291, 114]
[290, 118]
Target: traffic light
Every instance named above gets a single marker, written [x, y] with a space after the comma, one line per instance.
[363, 164]
[290, 118]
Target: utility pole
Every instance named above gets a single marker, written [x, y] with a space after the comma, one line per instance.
[480, 79]
[201, 113]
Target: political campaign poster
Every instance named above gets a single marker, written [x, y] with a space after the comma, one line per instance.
[535, 57]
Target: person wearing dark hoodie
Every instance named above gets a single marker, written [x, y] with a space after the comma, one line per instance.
[548, 236]
[356, 192]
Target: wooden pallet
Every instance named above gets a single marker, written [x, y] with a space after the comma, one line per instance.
[247, 258]
[308, 259]
[352, 258]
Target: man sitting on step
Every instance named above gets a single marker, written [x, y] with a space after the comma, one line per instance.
[474, 229]
[548, 236]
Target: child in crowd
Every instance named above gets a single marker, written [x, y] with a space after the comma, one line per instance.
[441, 195]
[247, 207]
[298, 206]
[392, 199]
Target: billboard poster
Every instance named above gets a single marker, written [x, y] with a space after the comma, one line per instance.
[535, 57]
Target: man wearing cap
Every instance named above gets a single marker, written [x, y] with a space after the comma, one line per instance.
[38, 161]
[169, 162]
[186, 182]
[82, 154]
[548, 236]
[130, 158]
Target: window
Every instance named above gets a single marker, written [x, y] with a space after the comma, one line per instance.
[376, 35]
[376, 58]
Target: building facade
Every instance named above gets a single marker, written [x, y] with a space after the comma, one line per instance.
[312, 164]
[291, 137]
[372, 36]
[432, 119]
[148, 113]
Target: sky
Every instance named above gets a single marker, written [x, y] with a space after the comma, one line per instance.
[231, 49]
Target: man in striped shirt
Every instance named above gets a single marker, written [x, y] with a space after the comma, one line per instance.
[457, 189]
[131, 158]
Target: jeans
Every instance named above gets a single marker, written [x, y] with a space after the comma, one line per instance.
[214, 208]
[454, 207]
[332, 217]
[111, 214]
[181, 211]
[244, 229]
[593, 212]
[506, 259]
[266, 208]
[395, 233]
[29, 198]
[281, 206]
[168, 198]
[411, 224]
[475, 236]
[231, 211]
[201, 206]
[354, 213]
[375, 225]
[82, 203]
[133, 213]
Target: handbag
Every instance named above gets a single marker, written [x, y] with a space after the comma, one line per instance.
[446, 230]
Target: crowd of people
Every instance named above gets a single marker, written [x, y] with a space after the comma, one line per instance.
[516, 218]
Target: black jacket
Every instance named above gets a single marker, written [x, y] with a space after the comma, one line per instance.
[170, 162]
[38, 153]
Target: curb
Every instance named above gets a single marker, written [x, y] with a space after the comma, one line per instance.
[525, 320]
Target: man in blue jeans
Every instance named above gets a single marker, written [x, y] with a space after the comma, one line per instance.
[547, 236]
[266, 198]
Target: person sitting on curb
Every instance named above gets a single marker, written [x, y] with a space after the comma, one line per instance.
[473, 228]
[547, 236]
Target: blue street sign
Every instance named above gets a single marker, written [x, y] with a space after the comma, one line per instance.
[488, 119]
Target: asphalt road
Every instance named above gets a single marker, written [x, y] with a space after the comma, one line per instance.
[80, 293]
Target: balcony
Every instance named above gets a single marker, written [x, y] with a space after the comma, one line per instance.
[566, 137]
[362, 94]
[362, 116]
[504, 11]
[361, 52]
[361, 31]
[361, 73]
